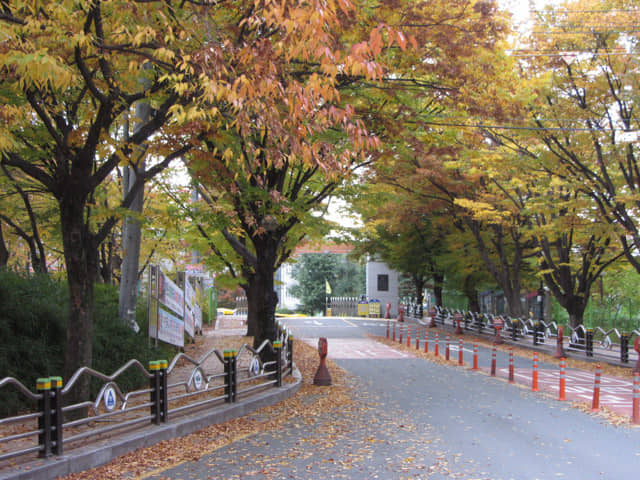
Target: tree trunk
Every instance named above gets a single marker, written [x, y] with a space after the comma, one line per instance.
[575, 306]
[438, 282]
[418, 283]
[576, 319]
[38, 258]
[81, 257]
[512, 299]
[106, 261]
[4, 252]
[261, 305]
[261, 296]
[503, 260]
[471, 293]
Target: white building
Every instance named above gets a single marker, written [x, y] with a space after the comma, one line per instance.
[382, 284]
[284, 282]
[381, 281]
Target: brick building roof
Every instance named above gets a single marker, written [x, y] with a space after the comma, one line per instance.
[322, 248]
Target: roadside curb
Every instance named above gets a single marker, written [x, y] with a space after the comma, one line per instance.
[84, 458]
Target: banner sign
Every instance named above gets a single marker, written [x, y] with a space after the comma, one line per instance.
[170, 328]
[182, 314]
[194, 269]
[170, 295]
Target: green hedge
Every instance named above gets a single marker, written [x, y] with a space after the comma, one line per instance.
[33, 332]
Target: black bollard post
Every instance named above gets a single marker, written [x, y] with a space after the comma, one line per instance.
[154, 391]
[228, 375]
[43, 385]
[589, 342]
[290, 353]
[56, 415]
[234, 375]
[164, 391]
[624, 347]
[277, 346]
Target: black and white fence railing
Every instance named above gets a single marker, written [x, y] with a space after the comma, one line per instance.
[342, 306]
[612, 343]
[181, 387]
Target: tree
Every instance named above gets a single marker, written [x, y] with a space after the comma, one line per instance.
[314, 271]
[573, 250]
[71, 71]
[585, 115]
[350, 279]
[4, 252]
[570, 246]
[25, 217]
[407, 240]
[614, 302]
[553, 161]
[284, 144]
[454, 76]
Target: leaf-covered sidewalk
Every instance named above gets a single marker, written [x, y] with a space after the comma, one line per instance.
[309, 401]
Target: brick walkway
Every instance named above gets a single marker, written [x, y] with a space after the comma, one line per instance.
[229, 325]
[615, 393]
[358, 348]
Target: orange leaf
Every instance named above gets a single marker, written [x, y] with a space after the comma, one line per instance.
[402, 40]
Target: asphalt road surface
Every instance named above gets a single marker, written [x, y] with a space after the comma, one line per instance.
[413, 419]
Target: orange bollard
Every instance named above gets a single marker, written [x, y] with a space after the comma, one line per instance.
[417, 340]
[635, 418]
[534, 382]
[457, 318]
[493, 361]
[595, 404]
[559, 344]
[387, 328]
[322, 376]
[400, 334]
[426, 341]
[561, 395]
[437, 347]
[460, 345]
[446, 350]
[432, 314]
[475, 356]
[408, 335]
[511, 373]
[394, 332]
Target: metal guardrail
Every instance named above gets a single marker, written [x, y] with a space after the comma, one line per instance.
[182, 387]
[609, 344]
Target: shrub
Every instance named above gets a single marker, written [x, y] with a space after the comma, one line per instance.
[115, 343]
[33, 335]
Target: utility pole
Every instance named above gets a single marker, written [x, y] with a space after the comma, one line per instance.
[131, 231]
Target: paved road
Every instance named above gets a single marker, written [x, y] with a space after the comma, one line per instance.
[419, 420]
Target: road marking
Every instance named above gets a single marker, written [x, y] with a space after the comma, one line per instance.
[314, 322]
[357, 348]
[615, 393]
